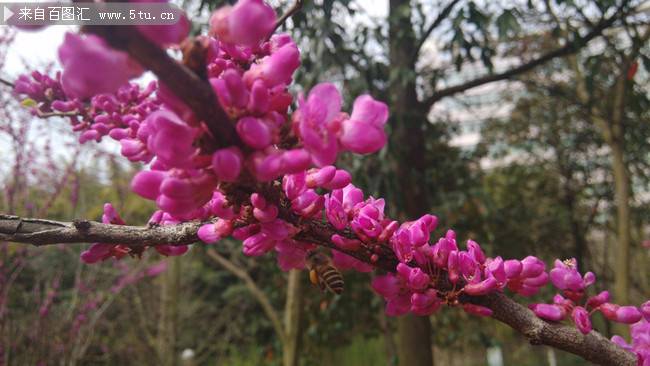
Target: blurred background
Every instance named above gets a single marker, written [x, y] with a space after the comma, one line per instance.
[553, 162]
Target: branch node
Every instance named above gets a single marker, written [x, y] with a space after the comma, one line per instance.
[81, 225]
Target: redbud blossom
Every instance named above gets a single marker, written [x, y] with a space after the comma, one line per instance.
[247, 23]
[581, 319]
[363, 132]
[548, 312]
[91, 67]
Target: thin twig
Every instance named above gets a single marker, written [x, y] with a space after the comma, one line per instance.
[6, 82]
[436, 23]
[259, 295]
[297, 5]
[567, 49]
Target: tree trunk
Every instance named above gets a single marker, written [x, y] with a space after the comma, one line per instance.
[622, 198]
[621, 190]
[407, 147]
[292, 310]
[414, 343]
[170, 283]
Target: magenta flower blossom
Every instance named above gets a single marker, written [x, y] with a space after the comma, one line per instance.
[425, 303]
[477, 310]
[398, 297]
[291, 254]
[346, 262]
[621, 314]
[363, 132]
[170, 138]
[368, 218]
[581, 319]
[247, 23]
[550, 312]
[276, 69]
[227, 164]
[316, 122]
[91, 67]
[165, 35]
[565, 276]
[213, 232]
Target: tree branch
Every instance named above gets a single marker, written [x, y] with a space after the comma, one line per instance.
[568, 49]
[42, 232]
[436, 23]
[297, 5]
[257, 293]
[195, 92]
[593, 346]
[6, 82]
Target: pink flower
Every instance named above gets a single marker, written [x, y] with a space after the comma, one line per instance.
[213, 232]
[415, 278]
[344, 262]
[621, 314]
[398, 298]
[363, 132]
[227, 164]
[276, 69]
[425, 303]
[247, 23]
[230, 90]
[172, 250]
[477, 310]
[165, 35]
[91, 67]
[291, 254]
[565, 276]
[368, 218]
[316, 122]
[254, 132]
[549, 311]
[170, 138]
[581, 319]
[184, 192]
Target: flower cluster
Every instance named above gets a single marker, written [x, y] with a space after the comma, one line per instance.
[565, 277]
[640, 337]
[278, 183]
[118, 113]
[429, 275]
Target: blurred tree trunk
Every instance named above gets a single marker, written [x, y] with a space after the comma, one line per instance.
[292, 310]
[621, 189]
[613, 134]
[170, 284]
[407, 146]
[389, 341]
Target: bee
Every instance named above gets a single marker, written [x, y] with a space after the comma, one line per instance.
[323, 273]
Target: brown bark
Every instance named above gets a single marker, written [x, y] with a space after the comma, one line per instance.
[407, 144]
[621, 190]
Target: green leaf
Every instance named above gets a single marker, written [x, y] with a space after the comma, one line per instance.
[28, 102]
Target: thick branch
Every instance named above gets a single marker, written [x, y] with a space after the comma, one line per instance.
[436, 23]
[259, 295]
[593, 347]
[191, 89]
[42, 232]
[568, 49]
